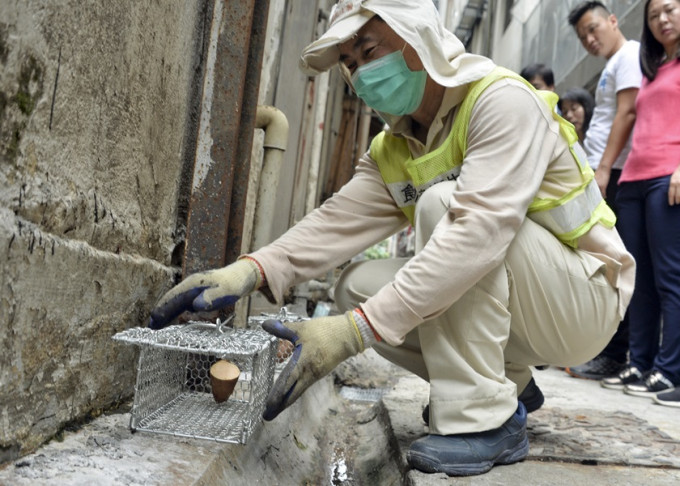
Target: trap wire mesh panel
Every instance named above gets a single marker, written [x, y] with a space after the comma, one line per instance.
[284, 348]
[173, 393]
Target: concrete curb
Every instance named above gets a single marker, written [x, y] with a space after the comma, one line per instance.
[584, 434]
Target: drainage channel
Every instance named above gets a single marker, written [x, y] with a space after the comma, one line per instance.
[334, 435]
[359, 449]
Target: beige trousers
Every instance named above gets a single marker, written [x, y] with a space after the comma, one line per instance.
[545, 304]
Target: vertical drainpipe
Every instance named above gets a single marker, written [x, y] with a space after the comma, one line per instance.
[275, 126]
[227, 122]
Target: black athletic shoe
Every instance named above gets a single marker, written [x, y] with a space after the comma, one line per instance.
[630, 374]
[669, 398]
[653, 383]
[597, 368]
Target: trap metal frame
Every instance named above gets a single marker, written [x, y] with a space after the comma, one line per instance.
[173, 394]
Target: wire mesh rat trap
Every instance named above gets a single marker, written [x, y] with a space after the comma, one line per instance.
[173, 394]
[285, 348]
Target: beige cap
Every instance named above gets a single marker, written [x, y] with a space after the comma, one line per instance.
[416, 21]
[347, 17]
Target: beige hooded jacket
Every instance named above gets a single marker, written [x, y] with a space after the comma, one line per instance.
[513, 145]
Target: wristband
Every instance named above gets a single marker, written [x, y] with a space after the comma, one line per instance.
[368, 334]
[263, 277]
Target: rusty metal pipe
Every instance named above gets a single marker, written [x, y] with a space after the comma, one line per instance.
[231, 84]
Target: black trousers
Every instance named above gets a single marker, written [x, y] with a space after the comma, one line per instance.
[617, 349]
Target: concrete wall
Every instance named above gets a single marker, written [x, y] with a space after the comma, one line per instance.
[97, 122]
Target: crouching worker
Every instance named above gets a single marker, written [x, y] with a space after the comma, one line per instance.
[517, 262]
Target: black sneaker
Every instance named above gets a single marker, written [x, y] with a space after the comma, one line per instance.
[669, 398]
[532, 398]
[630, 374]
[653, 383]
[596, 369]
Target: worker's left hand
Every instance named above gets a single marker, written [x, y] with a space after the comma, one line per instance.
[207, 291]
[319, 346]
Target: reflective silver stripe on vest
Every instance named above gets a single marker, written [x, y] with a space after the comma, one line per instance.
[572, 214]
[406, 193]
[581, 155]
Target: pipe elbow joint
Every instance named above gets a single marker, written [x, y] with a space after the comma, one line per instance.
[275, 125]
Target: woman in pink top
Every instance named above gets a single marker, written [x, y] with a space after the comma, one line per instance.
[649, 213]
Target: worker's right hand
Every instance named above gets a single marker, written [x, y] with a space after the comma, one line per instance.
[319, 346]
[207, 291]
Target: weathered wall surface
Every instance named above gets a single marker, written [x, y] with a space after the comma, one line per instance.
[97, 122]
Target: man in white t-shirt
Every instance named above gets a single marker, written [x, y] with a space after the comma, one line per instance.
[607, 141]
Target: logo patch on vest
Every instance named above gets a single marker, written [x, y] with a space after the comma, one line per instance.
[406, 193]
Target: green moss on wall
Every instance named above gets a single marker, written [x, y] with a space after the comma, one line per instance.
[30, 85]
[15, 137]
[17, 107]
[3, 43]
[25, 102]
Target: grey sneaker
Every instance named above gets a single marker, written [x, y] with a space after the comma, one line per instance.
[650, 385]
[669, 398]
[598, 368]
[629, 375]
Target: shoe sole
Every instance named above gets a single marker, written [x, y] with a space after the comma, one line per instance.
[587, 376]
[666, 403]
[425, 464]
[612, 387]
[645, 394]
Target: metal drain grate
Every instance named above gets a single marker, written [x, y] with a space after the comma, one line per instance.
[362, 394]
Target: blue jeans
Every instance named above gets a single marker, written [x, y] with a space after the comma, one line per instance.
[650, 229]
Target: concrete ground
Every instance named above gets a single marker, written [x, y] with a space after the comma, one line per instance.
[356, 429]
[584, 434]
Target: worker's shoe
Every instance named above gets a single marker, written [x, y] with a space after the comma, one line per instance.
[532, 398]
[473, 453]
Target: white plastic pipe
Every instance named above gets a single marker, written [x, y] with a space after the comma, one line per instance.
[275, 126]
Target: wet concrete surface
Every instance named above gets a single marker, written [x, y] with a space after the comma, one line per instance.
[355, 428]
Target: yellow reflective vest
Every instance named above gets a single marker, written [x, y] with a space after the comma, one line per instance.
[568, 214]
